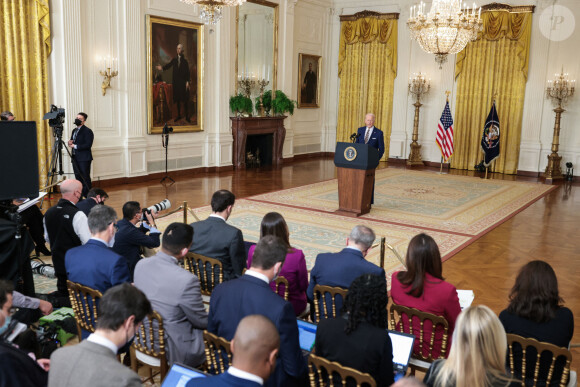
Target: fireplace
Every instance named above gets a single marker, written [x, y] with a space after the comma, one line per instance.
[264, 133]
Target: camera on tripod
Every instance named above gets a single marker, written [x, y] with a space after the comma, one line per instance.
[55, 119]
[162, 205]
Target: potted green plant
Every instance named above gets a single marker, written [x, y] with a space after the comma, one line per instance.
[282, 104]
[266, 101]
[240, 104]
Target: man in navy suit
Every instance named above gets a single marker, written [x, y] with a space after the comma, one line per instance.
[254, 348]
[233, 300]
[340, 269]
[94, 264]
[130, 239]
[94, 197]
[80, 143]
[372, 136]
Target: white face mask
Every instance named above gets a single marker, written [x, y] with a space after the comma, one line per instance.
[111, 242]
[6, 324]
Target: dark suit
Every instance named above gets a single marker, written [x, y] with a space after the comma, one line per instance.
[97, 266]
[233, 300]
[86, 205]
[128, 242]
[83, 139]
[340, 269]
[222, 380]
[215, 238]
[18, 369]
[376, 140]
[180, 77]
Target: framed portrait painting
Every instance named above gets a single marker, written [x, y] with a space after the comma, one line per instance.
[309, 67]
[174, 75]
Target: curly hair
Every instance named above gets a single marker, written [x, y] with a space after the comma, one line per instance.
[366, 300]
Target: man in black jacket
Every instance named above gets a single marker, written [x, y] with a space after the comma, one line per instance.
[80, 143]
[180, 82]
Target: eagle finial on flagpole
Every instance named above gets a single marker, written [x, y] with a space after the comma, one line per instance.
[447, 93]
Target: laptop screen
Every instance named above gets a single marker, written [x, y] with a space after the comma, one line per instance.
[402, 348]
[307, 334]
[179, 375]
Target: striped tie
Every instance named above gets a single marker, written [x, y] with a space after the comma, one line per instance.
[368, 135]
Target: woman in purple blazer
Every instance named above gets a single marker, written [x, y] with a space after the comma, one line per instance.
[294, 268]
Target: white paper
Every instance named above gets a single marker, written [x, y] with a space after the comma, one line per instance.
[466, 297]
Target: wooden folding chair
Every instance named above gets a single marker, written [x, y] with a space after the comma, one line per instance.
[401, 319]
[218, 354]
[555, 360]
[325, 298]
[84, 302]
[281, 281]
[148, 348]
[323, 372]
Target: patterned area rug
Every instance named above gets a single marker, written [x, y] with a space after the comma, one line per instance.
[454, 210]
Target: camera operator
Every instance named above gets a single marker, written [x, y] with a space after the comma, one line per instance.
[80, 143]
[130, 239]
[32, 217]
[17, 368]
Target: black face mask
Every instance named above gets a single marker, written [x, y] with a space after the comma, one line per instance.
[125, 348]
[78, 122]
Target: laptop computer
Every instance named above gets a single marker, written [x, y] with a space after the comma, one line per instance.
[402, 350]
[180, 374]
[306, 336]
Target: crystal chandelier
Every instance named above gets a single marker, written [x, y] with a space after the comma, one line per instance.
[446, 29]
[211, 10]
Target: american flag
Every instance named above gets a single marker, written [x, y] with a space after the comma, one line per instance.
[445, 133]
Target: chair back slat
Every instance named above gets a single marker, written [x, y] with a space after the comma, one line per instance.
[218, 354]
[84, 302]
[556, 361]
[150, 341]
[281, 281]
[322, 372]
[401, 319]
[325, 296]
[208, 270]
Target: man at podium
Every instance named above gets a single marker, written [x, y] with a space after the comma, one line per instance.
[372, 136]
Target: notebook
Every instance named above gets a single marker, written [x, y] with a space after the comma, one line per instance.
[306, 335]
[180, 374]
[402, 350]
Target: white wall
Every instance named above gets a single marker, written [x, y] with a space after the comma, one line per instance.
[547, 56]
[83, 29]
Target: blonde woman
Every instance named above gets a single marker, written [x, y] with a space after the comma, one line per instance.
[477, 357]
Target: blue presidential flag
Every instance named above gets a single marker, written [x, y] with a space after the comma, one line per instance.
[490, 137]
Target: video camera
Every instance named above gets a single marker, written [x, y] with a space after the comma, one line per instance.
[55, 119]
[162, 205]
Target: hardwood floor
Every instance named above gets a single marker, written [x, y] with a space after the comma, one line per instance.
[546, 230]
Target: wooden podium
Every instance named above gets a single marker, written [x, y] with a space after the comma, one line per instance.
[355, 164]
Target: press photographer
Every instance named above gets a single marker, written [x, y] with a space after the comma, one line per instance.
[130, 238]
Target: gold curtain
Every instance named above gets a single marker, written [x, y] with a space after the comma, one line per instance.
[24, 48]
[367, 67]
[494, 65]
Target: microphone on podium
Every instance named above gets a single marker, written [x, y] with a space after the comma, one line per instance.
[354, 137]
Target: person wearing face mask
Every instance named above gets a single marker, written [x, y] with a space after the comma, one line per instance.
[94, 197]
[255, 348]
[130, 239]
[65, 227]
[93, 362]
[233, 300]
[95, 264]
[176, 294]
[80, 143]
[17, 368]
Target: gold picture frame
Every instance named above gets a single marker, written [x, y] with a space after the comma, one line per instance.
[174, 75]
[308, 80]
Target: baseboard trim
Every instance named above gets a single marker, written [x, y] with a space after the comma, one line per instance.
[160, 175]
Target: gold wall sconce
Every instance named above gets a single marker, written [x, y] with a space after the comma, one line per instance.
[111, 71]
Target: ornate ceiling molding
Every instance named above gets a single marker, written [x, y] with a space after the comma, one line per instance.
[366, 13]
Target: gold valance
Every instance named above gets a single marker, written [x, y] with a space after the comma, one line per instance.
[505, 24]
[367, 30]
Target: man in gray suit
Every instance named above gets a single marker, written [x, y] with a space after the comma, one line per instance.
[215, 238]
[93, 362]
[175, 293]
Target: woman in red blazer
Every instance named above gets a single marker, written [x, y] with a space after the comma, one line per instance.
[422, 287]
